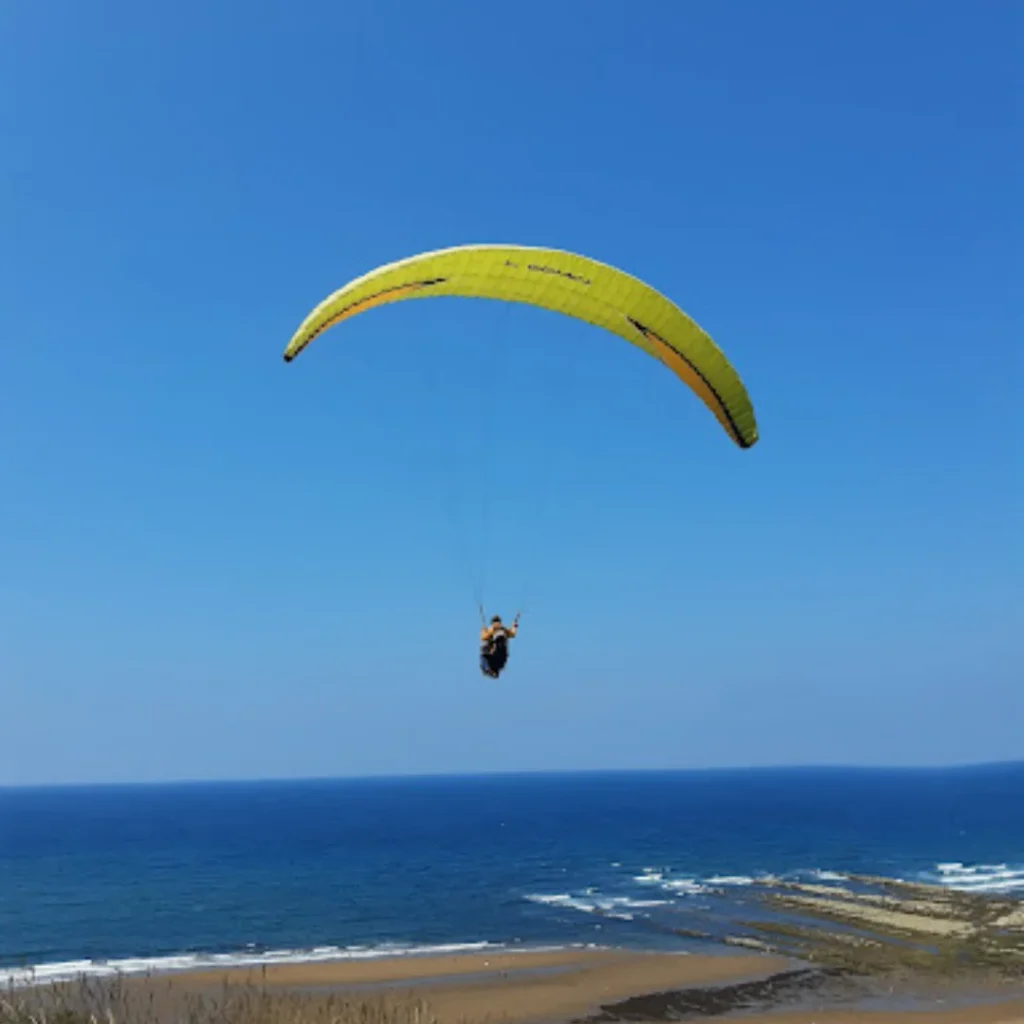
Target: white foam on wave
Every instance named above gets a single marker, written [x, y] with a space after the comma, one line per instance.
[691, 884]
[829, 876]
[650, 876]
[72, 970]
[685, 886]
[730, 880]
[618, 907]
[980, 877]
[656, 876]
[994, 878]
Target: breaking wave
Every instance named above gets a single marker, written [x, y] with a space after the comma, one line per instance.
[72, 970]
[980, 878]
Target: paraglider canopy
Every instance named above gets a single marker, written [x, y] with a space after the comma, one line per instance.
[563, 282]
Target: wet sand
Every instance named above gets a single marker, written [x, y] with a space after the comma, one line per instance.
[805, 994]
[521, 987]
[611, 986]
[1007, 1013]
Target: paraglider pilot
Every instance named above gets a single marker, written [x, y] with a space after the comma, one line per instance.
[494, 645]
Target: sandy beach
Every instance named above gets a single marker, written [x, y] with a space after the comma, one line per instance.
[606, 986]
[867, 951]
[509, 987]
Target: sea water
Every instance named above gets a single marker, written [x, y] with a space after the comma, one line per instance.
[151, 877]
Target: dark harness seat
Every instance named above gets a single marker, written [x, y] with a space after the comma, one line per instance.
[494, 654]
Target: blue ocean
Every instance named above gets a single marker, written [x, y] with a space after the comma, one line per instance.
[172, 876]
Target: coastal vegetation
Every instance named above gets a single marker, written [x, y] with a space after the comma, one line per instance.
[154, 1001]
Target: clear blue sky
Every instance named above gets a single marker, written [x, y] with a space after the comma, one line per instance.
[214, 564]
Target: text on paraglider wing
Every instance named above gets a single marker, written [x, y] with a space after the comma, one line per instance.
[551, 270]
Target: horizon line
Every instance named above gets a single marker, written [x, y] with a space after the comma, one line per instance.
[515, 772]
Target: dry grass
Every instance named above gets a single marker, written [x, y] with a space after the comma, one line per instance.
[152, 1001]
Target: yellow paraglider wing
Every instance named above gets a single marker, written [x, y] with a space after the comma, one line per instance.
[566, 283]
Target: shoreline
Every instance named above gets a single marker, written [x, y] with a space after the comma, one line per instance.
[594, 985]
[852, 948]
